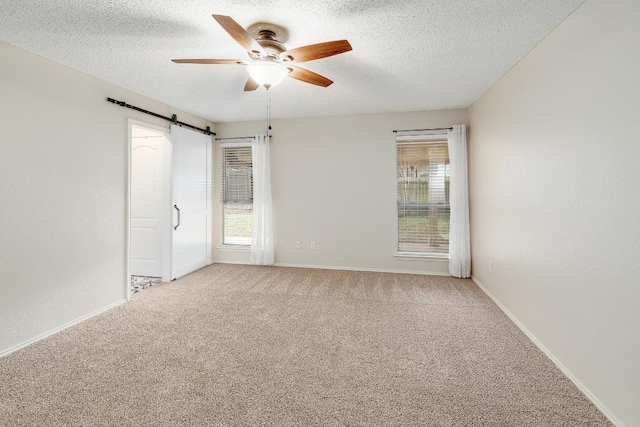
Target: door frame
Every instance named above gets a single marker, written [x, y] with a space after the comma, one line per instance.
[165, 222]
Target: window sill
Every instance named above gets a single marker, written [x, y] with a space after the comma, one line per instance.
[421, 256]
[234, 248]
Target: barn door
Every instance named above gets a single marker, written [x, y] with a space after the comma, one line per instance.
[191, 243]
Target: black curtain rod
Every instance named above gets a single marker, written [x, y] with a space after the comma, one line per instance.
[420, 130]
[173, 119]
[236, 137]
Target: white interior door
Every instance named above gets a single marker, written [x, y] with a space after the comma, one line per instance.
[147, 205]
[191, 243]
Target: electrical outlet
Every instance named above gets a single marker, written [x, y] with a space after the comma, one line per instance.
[491, 266]
[298, 245]
[313, 245]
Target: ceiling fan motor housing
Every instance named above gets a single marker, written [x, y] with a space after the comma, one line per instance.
[267, 39]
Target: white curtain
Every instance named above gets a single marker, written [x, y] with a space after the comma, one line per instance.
[459, 244]
[262, 252]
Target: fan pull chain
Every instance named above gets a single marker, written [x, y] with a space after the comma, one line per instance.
[268, 113]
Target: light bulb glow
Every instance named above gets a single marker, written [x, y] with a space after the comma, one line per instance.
[267, 73]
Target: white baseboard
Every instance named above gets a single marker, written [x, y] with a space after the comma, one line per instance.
[542, 348]
[60, 328]
[217, 261]
[374, 270]
[329, 267]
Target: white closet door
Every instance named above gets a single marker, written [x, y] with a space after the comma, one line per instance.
[147, 191]
[191, 247]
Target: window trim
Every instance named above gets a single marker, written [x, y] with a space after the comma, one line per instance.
[408, 140]
[420, 255]
[234, 248]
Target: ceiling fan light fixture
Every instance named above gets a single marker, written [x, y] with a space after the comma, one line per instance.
[264, 45]
[267, 73]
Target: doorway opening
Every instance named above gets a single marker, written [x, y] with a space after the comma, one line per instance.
[149, 206]
[169, 205]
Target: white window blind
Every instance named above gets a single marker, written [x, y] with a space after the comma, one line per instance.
[237, 195]
[423, 196]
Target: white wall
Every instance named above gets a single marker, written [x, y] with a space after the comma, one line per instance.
[555, 200]
[333, 182]
[63, 186]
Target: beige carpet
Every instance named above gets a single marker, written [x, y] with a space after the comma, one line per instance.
[246, 345]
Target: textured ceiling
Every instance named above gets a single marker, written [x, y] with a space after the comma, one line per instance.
[407, 55]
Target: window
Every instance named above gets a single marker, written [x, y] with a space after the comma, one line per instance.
[423, 196]
[237, 195]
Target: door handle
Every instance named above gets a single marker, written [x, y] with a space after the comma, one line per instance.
[178, 209]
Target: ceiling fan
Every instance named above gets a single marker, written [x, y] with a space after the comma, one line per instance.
[271, 61]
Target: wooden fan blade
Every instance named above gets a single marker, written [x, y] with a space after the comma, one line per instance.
[239, 34]
[316, 51]
[307, 76]
[210, 61]
[251, 85]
